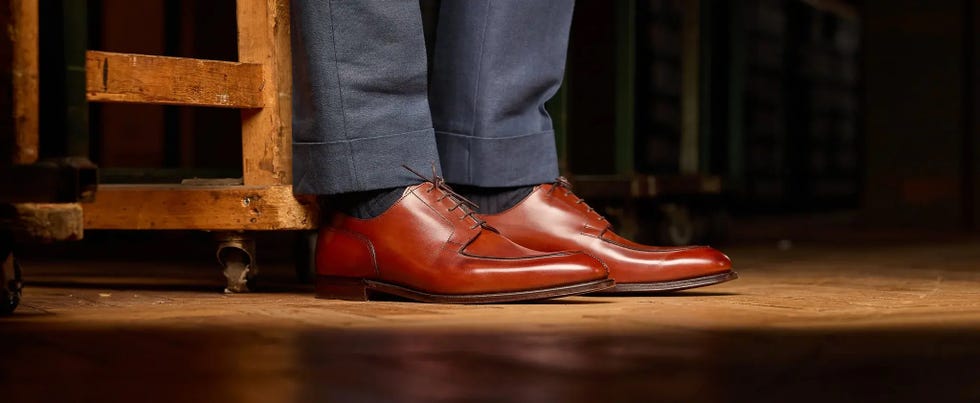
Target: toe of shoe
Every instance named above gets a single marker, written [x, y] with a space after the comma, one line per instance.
[699, 261]
[534, 272]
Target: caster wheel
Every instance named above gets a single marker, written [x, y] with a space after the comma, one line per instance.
[237, 256]
[11, 284]
[304, 251]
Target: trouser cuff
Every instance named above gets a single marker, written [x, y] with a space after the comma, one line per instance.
[498, 162]
[363, 164]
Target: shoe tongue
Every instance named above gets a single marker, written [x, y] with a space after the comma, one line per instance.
[469, 212]
[592, 217]
[452, 200]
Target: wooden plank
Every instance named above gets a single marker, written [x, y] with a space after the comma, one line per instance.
[144, 207]
[42, 222]
[263, 38]
[7, 141]
[19, 56]
[133, 78]
[26, 81]
[131, 135]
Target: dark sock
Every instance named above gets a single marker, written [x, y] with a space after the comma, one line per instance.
[367, 204]
[493, 200]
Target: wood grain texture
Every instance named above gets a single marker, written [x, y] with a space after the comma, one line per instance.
[22, 33]
[7, 127]
[145, 207]
[42, 222]
[263, 38]
[132, 78]
[840, 321]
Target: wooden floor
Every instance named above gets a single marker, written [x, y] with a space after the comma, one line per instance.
[814, 321]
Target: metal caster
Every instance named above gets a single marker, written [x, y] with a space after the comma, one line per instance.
[304, 251]
[11, 282]
[236, 253]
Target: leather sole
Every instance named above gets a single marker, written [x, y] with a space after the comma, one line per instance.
[354, 289]
[665, 286]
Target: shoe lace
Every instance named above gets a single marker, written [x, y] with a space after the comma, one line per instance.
[563, 183]
[459, 201]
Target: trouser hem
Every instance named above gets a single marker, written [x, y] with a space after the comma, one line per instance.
[498, 162]
[359, 165]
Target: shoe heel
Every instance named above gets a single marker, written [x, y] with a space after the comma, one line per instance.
[344, 288]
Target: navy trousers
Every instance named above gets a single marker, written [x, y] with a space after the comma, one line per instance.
[362, 107]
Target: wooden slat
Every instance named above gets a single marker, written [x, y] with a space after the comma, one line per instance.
[42, 222]
[132, 78]
[8, 128]
[19, 53]
[263, 38]
[145, 207]
[26, 81]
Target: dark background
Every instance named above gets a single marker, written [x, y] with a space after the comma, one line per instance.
[863, 109]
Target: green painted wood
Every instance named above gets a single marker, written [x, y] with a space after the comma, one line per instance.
[75, 43]
[690, 152]
[625, 99]
[708, 19]
[736, 99]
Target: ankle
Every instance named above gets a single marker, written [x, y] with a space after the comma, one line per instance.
[494, 200]
[367, 204]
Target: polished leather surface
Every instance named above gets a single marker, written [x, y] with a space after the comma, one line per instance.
[427, 242]
[553, 218]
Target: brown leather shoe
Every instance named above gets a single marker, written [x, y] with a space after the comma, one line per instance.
[430, 247]
[552, 218]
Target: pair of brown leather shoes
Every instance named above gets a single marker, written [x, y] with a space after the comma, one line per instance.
[430, 246]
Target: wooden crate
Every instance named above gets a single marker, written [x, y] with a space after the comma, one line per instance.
[259, 84]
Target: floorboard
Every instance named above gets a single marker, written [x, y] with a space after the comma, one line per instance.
[815, 321]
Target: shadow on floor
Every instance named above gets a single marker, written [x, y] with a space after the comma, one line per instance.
[201, 363]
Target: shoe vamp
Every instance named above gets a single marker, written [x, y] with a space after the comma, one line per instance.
[489, 244]
[615, 239]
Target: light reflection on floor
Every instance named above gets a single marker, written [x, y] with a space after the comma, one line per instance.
[817, 323]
